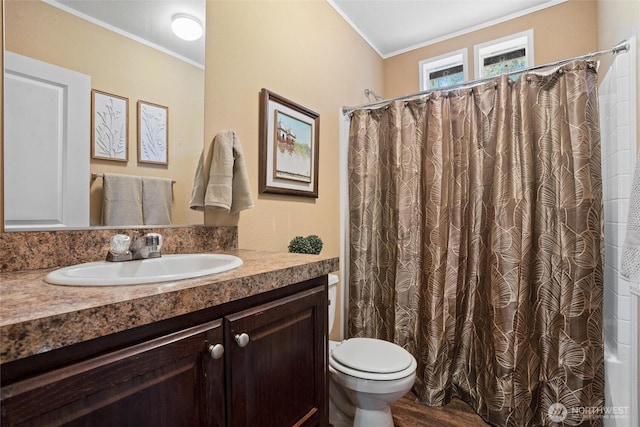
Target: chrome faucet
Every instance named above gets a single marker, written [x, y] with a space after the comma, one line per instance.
[124, 248]
[154, 243]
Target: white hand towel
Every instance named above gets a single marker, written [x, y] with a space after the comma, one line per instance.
[121, 200]
[157, 195]
[630, 263]
[221, 179]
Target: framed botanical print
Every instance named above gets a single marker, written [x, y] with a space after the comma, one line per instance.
[153, 133]
[109, 126]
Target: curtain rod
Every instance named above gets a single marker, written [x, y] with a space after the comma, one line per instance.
[101, 175]
[623, 46]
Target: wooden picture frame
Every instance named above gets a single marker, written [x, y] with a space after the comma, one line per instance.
[153, 133]
[109, 126]
[289, 141]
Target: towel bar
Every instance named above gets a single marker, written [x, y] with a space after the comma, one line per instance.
[101, 175]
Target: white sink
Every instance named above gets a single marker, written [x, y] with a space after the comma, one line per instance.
[163, 269]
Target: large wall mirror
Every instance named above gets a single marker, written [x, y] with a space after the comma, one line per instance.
[109, 44]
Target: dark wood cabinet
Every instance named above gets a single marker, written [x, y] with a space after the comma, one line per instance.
[278, 378]
[167, 381]
[206, 374]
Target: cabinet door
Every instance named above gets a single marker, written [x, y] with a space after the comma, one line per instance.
[169, 381]
[279, 377]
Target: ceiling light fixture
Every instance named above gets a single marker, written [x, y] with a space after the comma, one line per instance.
[186, 27]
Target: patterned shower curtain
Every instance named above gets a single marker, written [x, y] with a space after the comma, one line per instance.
[476, 244]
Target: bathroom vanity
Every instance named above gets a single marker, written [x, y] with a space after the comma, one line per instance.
[246, 347]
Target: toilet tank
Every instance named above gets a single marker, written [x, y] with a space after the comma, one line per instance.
[333, 292]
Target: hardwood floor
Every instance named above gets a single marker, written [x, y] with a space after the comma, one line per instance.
[409, 412]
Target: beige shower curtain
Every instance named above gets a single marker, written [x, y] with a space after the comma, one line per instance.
[476, 244]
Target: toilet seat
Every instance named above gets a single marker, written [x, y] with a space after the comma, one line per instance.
[372, 359]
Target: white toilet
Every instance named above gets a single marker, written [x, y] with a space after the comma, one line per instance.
[366, 376]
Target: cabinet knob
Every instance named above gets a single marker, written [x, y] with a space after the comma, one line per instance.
[242, 339]
[216, 351]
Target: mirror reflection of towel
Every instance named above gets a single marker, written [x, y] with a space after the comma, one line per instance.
[630, 260]
[157, 195]
[221, 179]
[121, 199]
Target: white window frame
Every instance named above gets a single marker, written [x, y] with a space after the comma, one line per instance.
[447, 60]
[504, 45]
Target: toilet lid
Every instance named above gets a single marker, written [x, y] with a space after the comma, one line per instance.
[372, 355]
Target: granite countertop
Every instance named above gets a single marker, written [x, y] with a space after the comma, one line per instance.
[36, 317]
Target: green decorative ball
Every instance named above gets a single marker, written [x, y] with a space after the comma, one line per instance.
[306, 245]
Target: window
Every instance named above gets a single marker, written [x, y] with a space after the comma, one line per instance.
[504, 55]
[444, 70]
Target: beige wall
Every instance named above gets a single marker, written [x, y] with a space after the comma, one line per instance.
[563, 31]
[126, 68]
[305, 52]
